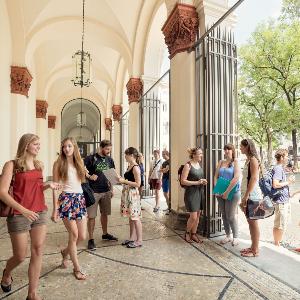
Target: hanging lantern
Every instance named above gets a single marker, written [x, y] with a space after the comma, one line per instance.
[82, 67]
[81, 119]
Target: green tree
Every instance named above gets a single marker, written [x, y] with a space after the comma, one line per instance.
[273, 56]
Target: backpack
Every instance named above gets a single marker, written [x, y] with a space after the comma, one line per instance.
[266, 185]
[180, 172]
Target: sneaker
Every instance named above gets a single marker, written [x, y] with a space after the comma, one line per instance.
[167, 211]
[109, 237]
[91, 245]
[235, 242]
[155, 209]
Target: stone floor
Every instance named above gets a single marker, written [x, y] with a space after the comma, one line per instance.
[166, 267]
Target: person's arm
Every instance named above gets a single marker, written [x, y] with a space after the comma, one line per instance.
[234, 180]
[5, 181]
[278, 176]
[217, 172]
[184, 175]
[54, 216]
[254, 171]
[150, 172]
[160, 174]
[137, 178]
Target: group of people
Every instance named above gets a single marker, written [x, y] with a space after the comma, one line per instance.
[243, 193]
[22, 189]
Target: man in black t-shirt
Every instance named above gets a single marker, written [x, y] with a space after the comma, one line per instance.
[95, 164]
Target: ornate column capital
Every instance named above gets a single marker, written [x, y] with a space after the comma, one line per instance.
[41, 109]
[117, 112]
[180, 29]
[20, 80]
[108, 124]
[51, 122]
[134, 89]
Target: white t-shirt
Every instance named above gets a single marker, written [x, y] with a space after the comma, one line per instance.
[155, 173]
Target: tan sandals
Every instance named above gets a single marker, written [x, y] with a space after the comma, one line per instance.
[79, 275]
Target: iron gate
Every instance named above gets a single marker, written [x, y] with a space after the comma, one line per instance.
[216, 111]
[154, 123]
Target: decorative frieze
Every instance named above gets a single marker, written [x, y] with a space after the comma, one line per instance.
[20, 80]
[180, 29]
[117, 112]
[134, 89]
[51, 122]
[108, 124]
[41, 109]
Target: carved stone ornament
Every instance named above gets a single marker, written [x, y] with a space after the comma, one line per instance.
[180, 29]
[108, 124]
[117, 112]
[134, 89]
[20, 80]
[41, 109]
[51, 122]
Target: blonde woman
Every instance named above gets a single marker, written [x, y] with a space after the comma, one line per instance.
[192, 178]
[27, 200]
[70, 171]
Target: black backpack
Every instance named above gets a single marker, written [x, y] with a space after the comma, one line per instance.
[180, 172]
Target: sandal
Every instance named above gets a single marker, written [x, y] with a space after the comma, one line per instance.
[126, 242]
[195, 238]
[79, 275]
[250, 254]
[133, 245]
[246, 250]
[64, 259]
[6, 288]
[188, 240]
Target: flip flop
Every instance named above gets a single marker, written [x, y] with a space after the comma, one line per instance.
[250, 254]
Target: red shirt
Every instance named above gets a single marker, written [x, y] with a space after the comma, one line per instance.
[28, 190]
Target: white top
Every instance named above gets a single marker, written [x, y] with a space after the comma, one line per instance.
[73, 184]
[156, 174]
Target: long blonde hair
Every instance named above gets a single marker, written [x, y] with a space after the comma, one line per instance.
[62, 163]
[20, 159]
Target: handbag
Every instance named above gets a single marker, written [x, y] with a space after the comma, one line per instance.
[88, 194]
[222, 185]
[5, 210]
[259, 208]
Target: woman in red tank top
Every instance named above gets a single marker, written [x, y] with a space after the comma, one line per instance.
[24, 175]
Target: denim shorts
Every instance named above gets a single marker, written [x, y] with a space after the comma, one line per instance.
[165, 185]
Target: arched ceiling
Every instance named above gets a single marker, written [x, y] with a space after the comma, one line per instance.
[116, 35]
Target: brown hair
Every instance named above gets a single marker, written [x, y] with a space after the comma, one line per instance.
[193, 151]
[280, 153]
[105, 143]
[20, 159]
[232, 148]
[251, 150]
[134, 152]
[62, 163]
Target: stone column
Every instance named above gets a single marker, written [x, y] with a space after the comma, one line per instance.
[20, 82]
[51, 144]
[42, 132]
[134, 92]
[117, 114]
[108, 128]
[180, 31]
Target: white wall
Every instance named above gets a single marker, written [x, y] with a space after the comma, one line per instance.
[5, 101]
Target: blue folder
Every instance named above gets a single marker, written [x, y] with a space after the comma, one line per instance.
[222, 185]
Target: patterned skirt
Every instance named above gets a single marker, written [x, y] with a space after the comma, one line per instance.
[71, 206]
[131, 203]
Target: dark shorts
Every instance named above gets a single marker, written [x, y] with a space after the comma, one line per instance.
[18, 223]
[165, 185]
[155, 184]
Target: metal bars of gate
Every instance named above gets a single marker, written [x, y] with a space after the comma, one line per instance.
[152, 122]
[216, 98]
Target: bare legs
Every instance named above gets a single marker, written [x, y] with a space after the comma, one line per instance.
[19, 244]
[277, 234]
[77, 233]
[192, 226]
[136, 231]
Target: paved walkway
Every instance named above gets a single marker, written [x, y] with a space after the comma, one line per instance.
[166, 267]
